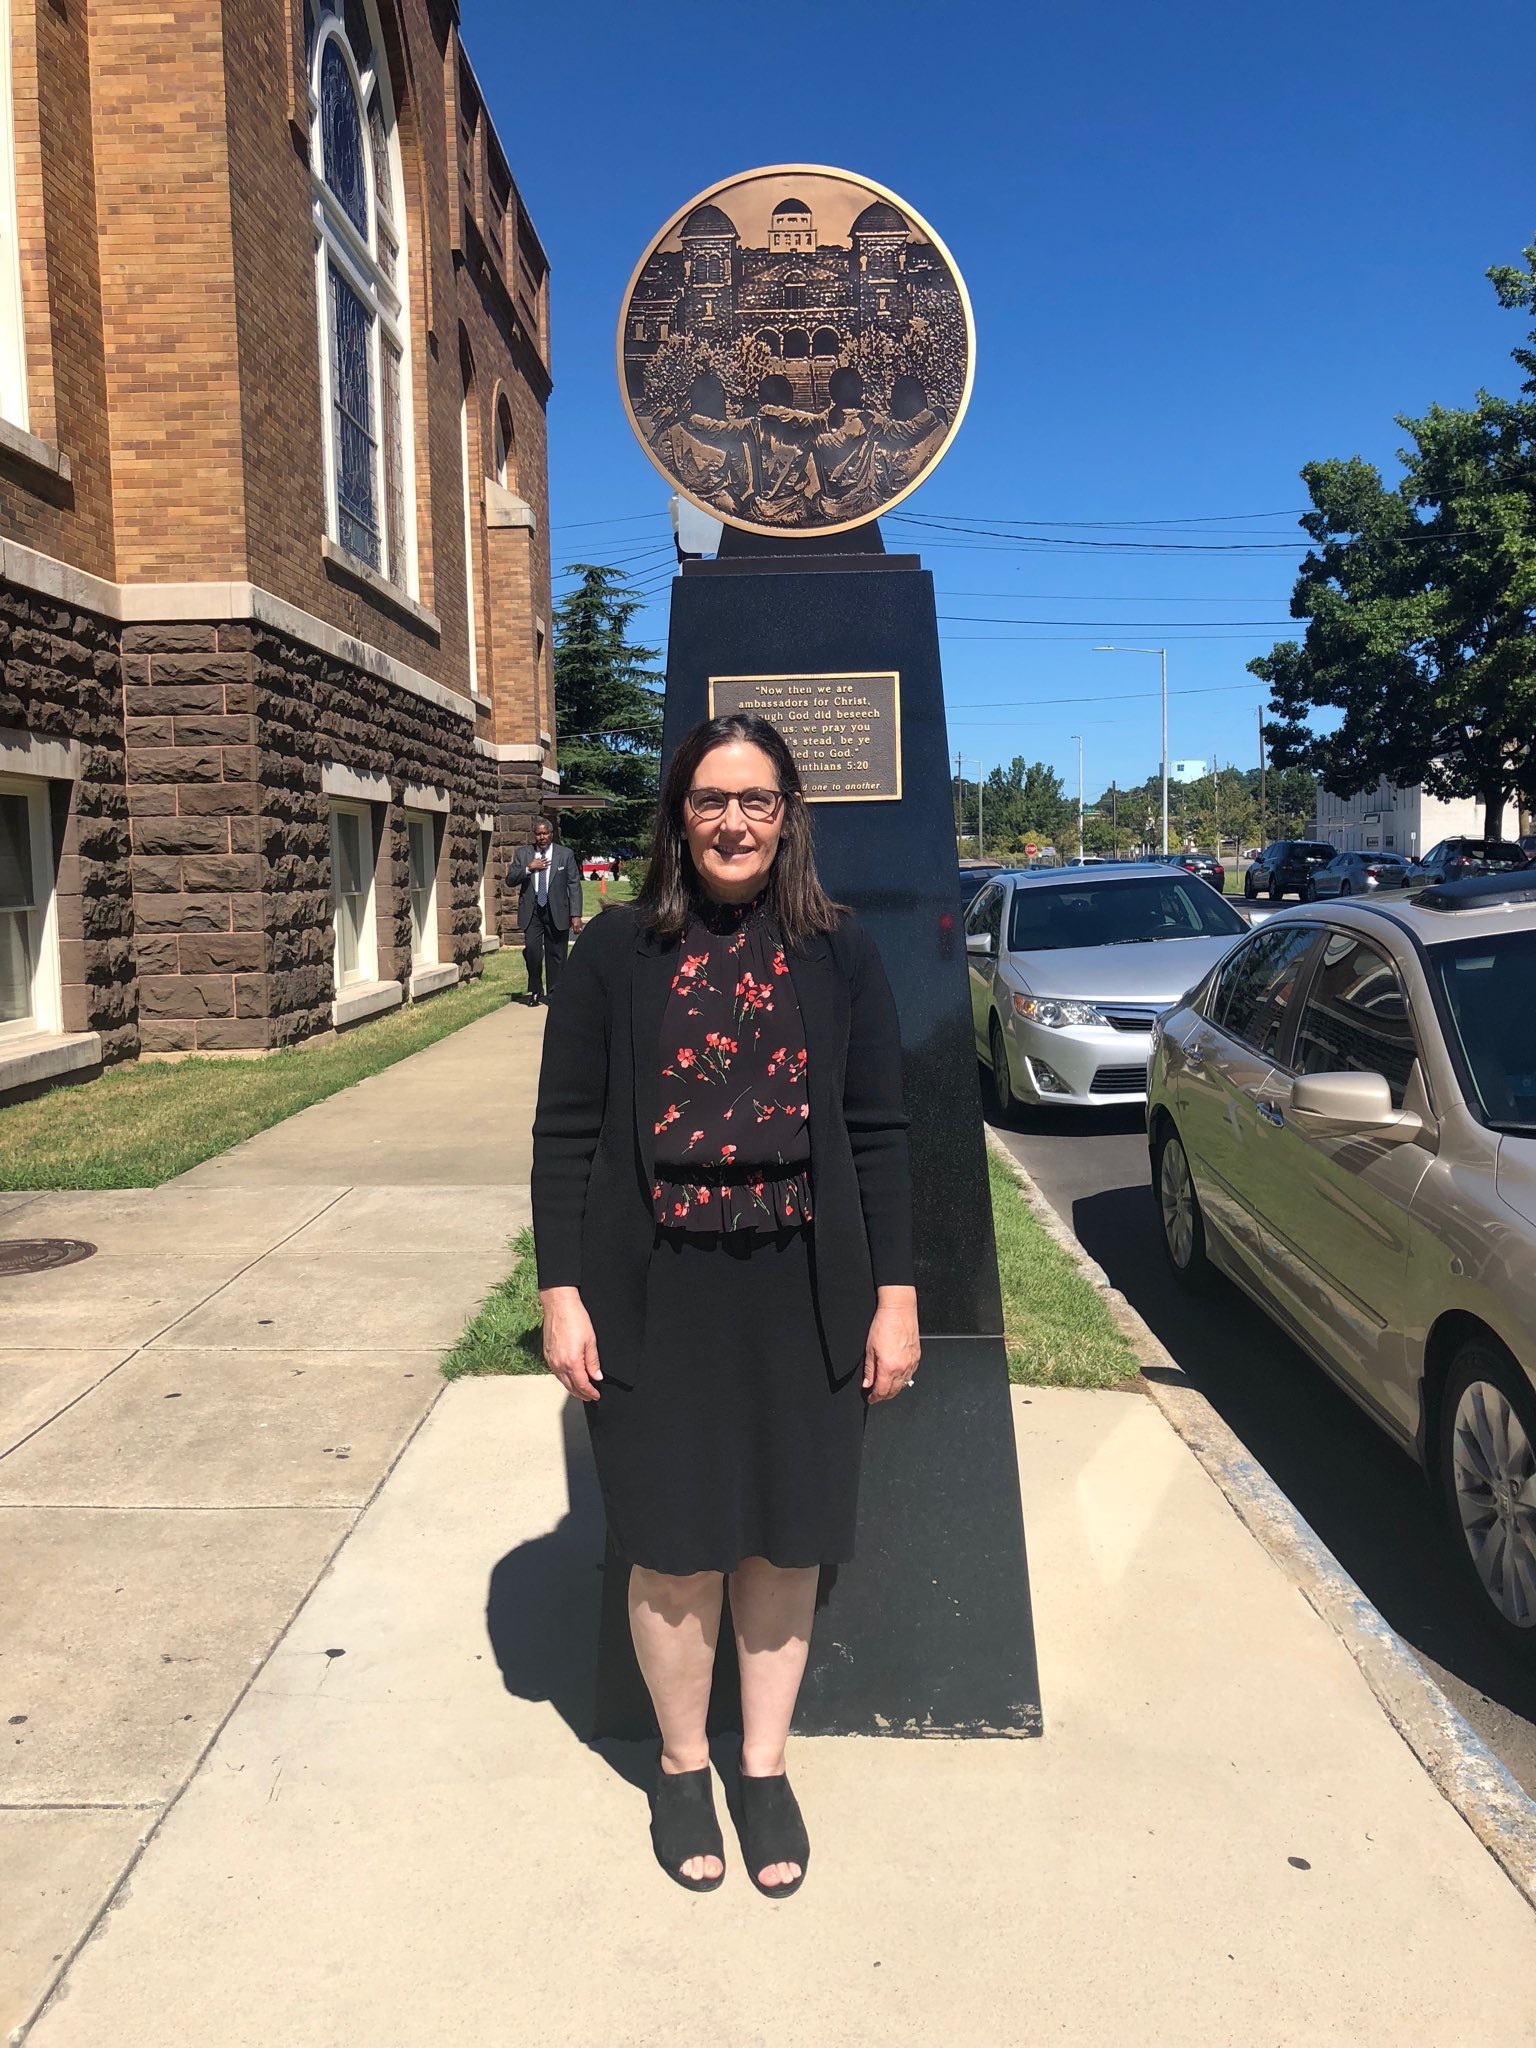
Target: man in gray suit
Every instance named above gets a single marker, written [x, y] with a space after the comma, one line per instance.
[548, 880]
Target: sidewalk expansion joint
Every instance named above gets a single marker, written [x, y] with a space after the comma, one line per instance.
[139, 1349]
[1454, 1756]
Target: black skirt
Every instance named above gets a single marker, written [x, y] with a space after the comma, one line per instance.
[734, 1440]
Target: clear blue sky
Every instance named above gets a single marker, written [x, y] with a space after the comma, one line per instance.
[1205, 243]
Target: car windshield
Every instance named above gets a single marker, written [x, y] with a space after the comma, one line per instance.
[1490, 994]
[1122, 913]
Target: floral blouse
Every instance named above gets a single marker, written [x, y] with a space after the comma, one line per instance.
[733, 1144]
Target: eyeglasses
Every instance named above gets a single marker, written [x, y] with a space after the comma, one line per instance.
[762, 806]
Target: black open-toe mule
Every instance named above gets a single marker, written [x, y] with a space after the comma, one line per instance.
[683, 1825]
[772, 1831]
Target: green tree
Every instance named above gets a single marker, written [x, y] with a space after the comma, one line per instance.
[1421, 598]
[608, 709]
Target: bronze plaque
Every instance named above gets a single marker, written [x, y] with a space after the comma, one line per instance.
[844, 731]
[796, 350]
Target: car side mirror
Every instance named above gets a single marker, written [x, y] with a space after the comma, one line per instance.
[1350, 1105]
[978, 942]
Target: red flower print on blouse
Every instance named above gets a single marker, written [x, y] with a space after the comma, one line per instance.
[723, 1171]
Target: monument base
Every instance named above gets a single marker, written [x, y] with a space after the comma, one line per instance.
[928, 1631]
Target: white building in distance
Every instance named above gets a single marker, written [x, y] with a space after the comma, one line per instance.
[1392, 820]
[1186, 771]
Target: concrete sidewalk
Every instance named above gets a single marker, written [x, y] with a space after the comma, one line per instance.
[193, 1420]
[400, 1836]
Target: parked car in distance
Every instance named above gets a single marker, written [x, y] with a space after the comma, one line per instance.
[1356, 874]
[973, 874]
[1454, 859]
[1285, 866]
[1205, 865]
[1069, 970]
[1342, 1119]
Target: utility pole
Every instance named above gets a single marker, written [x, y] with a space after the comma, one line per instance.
[1114, 817]
[1163, 658]
[1079, 738]
[981, 845]
[1263, 794]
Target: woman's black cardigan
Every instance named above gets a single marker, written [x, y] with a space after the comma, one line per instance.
[594, 1135]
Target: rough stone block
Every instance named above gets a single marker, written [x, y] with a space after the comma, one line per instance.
[219, 799]
[157, 955]
[71, 960]
[239, 697]
[180, 670]
[239, 763]
[164, 1034]
[205, 729]
[183, 913]
[180, 835]
[170, 699]
[151, 800]
[149, 732]
[70, 912]
[170, 639]
[153, 874]
[247, 913]
[244, 1035]
[253, 995]
[245, 835]
[222, 871]
[222, 953]
[175, 764]
[186, 995]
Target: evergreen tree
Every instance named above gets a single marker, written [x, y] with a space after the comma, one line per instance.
[608, 710]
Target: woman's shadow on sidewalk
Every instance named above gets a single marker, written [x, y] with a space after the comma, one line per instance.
[542, 1607]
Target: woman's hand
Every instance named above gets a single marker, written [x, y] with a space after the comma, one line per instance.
[891, 1350]
[570, 1342]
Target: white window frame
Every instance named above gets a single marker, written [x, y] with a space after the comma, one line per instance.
[426, 955]
[13, 331]
[367, 968]
[338, 245]
[487, 923]
[45, 1017]
[469, 532]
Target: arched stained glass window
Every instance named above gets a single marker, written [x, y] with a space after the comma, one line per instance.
[341, 134]
[360, 260]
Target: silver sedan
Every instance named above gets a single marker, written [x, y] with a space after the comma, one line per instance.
[1343, 1121]
[1070, 970]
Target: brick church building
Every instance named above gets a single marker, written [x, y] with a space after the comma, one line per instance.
[275, 683]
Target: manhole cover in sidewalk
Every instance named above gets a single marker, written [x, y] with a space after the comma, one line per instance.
[38, 1254]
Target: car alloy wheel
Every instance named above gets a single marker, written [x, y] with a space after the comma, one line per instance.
[1345, 889]
[1276, 892]
[1490, 1476]
[1002, 1077]
[1250, 888]
[1178, 1208]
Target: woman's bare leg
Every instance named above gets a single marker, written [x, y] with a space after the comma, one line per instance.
[771, 1611]
[675, 1624]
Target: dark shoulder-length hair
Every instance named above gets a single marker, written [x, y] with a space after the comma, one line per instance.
[672, 890]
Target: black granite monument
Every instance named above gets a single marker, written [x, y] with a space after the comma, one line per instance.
[929, 1631]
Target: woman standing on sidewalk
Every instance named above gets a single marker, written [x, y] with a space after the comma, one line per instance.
[722, 1211]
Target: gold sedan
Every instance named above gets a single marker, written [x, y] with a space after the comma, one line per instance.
[1342, 1120]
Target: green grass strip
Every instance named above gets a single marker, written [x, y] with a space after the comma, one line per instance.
[142, 1123]
[1058, 1328]
[1059, 1331]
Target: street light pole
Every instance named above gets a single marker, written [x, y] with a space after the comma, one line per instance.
[1162, 655]
[1079, 738]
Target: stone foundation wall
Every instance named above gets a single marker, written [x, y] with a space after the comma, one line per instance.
[230, 729]
[60, 678]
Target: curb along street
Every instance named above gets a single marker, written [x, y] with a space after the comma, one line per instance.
[1461, 1765]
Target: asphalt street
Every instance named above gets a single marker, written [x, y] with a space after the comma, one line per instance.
[1366, 1499]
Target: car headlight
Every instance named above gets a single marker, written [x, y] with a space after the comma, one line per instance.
[1056, 1013]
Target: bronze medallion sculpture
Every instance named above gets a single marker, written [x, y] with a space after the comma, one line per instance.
[796, 350]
